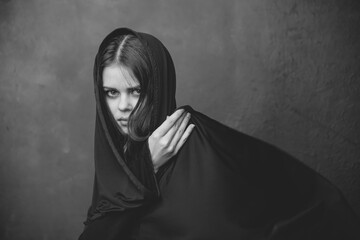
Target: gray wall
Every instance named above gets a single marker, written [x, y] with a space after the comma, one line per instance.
[285, 71]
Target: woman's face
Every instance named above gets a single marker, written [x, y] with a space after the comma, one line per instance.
[122, 92]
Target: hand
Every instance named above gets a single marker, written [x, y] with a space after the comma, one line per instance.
[168, 138]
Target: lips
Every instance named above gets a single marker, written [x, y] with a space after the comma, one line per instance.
[123, 121]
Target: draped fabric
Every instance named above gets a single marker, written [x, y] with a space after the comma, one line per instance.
[126, 182]
[222, 184]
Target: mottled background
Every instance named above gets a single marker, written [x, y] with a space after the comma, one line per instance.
[285, 71]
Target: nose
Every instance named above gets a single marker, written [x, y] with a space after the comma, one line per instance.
[124, 104]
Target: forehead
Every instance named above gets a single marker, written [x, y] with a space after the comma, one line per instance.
[118, 76]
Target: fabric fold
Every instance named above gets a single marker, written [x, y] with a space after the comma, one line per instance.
[222, 184]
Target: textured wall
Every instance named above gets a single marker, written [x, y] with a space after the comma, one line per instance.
[286, 71]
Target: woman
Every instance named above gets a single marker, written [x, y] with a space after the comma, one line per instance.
[158, 177]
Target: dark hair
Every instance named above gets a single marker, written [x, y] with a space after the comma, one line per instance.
[128, 51]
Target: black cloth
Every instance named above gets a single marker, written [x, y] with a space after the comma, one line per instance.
[222, 184]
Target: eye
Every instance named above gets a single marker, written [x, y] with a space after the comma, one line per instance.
[135, 91]
[111, 93]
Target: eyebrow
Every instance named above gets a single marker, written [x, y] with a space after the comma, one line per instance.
[129, 88]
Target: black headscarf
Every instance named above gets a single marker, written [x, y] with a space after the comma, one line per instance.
[124, 182]
[222, 184]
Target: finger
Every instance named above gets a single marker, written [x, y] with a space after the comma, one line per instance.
[169, 136]
[168, 123]
[184, 137]
[180, 131]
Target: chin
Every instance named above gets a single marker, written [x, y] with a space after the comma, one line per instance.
[124, 130]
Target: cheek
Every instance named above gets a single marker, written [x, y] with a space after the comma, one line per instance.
[134, 101]
[112, 106]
